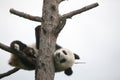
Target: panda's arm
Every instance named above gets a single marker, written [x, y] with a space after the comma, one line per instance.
[37, 36]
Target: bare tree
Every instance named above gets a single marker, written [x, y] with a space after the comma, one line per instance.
[51, 25]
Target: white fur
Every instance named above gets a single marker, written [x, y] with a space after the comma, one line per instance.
[70, 59]
[59, 55]
[34, 47]
[16, 46]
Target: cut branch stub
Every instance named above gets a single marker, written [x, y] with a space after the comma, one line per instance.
[27, 16]
[71, 14]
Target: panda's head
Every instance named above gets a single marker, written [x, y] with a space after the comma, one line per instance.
[64, 59]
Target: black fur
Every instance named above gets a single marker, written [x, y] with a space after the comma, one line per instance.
[22, 46]
[63, 60]
[68, 71]
[76, 56]
[29, 62]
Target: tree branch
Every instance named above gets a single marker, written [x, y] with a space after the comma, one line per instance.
[27, 16]
[18, 53]
[6, 48]
[9, 72]
[71, 14]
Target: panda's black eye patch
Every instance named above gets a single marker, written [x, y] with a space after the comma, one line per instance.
[64, 52]
[62, 61]
[58, 54]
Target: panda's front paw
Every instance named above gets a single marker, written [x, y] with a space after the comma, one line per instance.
[29, 52]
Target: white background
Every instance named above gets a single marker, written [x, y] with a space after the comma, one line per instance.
[94, 35]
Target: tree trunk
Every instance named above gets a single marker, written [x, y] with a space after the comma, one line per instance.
[45, 64]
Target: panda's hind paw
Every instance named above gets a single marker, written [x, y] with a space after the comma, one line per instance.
[16, 47]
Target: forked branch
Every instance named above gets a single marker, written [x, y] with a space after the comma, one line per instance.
[27, 16]
[9, 72]
[71, 14]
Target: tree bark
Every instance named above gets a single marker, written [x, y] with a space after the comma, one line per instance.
[45, 64]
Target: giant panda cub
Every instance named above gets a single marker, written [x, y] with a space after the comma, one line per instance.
[63, 58]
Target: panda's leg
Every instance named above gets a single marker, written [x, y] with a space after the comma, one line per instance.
[18, 45]
[18, 61]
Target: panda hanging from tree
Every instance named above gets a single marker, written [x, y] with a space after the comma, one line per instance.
[63, 58]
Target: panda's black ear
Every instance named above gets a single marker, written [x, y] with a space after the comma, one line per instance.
[68, 71]
[76, 56]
